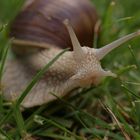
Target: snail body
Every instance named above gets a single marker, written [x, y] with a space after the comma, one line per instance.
[77, 68]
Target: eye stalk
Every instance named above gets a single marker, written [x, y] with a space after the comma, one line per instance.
[78, 52]
[103, 51]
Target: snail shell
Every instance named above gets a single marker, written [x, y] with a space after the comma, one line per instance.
[42, 21]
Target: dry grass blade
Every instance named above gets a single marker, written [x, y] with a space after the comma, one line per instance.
[116, 120]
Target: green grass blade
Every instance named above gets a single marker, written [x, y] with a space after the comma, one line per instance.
[4, 55]
[19, 120]
[134, 57]
[130, 91]
[37, 77]
[52, 122]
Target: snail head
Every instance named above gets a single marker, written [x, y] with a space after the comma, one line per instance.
[88, 68]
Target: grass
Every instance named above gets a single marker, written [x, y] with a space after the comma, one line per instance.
[109, 111]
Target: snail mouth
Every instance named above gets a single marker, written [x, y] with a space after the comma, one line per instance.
[101, 75]
[92, 78]
[109, 73]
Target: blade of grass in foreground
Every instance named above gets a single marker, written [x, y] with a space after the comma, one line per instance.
[55, 136]
[61, 127]
[126, 136]
[20, 121]
[130, 91]
[30, 86]
[135, 59]
[37, 77]
[2, 64]
[4, 55]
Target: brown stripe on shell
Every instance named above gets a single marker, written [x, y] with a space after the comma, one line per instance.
[42, 21]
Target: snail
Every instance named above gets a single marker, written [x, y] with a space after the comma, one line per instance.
[42, 30]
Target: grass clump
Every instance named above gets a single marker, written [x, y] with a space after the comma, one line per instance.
[107, 112]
